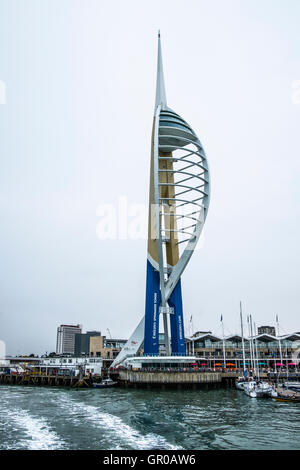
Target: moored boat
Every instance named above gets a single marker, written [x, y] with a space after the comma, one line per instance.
[106, 383]
[240, 382]
[288, 399]
[258, 389]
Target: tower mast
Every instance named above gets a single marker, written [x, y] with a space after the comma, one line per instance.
[178, 177]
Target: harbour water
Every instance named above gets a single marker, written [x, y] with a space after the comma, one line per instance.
[56, 418]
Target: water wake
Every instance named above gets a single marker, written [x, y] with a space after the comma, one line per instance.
[39, 436]
[114, 426]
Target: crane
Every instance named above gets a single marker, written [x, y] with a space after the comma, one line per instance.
[108, 332]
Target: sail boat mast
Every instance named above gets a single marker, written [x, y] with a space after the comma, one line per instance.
[250, 343]
[243, 342]
[256, 352]
[253, 351]
[224, 353]
[278, 335]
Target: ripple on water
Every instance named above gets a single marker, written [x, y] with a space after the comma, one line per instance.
[53, 418]
[118, 431]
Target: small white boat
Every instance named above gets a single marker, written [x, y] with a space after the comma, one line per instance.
[258, 390]
[106, 383]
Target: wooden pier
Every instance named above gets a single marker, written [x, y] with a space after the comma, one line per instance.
[189, 379]
[46, 380]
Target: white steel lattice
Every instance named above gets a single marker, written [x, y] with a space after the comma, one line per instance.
[182, 188]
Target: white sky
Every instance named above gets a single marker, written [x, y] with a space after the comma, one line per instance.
[75, 133]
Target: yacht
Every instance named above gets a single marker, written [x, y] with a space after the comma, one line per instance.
[258, 389]
[240, 382]
[106, 383]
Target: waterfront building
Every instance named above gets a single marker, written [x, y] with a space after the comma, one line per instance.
[160, 362]
[65, 341]
[82, 342]
[63, 365]
[107, 348]
[69, 366]
[272, 350]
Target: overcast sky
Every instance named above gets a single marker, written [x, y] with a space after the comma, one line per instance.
[75, 133]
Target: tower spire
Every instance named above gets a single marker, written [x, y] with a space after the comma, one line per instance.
[160, 83]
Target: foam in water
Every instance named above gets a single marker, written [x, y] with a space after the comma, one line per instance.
[115, 425]
[40, 436]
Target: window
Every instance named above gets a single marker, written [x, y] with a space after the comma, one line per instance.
[174, 124]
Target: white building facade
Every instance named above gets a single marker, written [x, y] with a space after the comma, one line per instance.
[71, 365]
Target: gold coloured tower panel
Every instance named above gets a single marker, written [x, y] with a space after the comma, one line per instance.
[152, 230]
[168, 207]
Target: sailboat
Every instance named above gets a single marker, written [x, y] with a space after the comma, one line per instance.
[257, 388]
[241, 381]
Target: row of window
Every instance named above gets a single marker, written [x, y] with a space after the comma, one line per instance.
[229, 344]
[71, 361]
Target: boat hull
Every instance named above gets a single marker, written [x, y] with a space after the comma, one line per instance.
[288, 399]
[260, 390]
[104, 385]
[240, 385]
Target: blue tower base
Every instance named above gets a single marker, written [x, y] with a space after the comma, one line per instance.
[176, 320]
[153, 300]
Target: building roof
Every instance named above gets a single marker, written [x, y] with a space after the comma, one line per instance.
[265, 338]
[205, 336]
[291, 337]
[115, 340]
[71, 326]
[267, 326]
[235, 338]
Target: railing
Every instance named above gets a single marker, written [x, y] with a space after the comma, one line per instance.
[239, 357]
